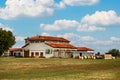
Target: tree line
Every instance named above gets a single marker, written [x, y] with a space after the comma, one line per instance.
[114, 52]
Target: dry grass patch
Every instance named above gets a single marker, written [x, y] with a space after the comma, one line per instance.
[58, 69]
[102, 75]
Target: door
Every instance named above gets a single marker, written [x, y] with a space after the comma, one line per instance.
[41, 54]
[32, 54]
[26, 53]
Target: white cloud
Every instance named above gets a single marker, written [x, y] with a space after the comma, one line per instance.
[69, 35]
[77, 38]
[88, 23]
[92, 42]
[45, 34]
[60, 24]
[74, 38]
[15, 8]
[41, 8]
[102, 42]
[89, 28]
[5, 27]
[102, 18]
[115, 39]
[80, 41]
[19, 38]
[80, 2]
[49, 27]
[19, 41]
[67, 24]
[87, 38]
[19, 44]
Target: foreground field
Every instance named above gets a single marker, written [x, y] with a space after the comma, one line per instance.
[58, 69]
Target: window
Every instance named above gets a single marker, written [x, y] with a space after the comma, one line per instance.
[80, 54]
[36, 41]
[19, 54]
[37, 53]
[48, 51]
[32, 41]
[42, 40]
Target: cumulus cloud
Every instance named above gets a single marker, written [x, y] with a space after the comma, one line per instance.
[99, 18]
[60, 24]
[87, 38]
[15, 8]
[33, 8]
[4, 27]
[67, 24]
[68, 35]
[102, 42]
[19, 41]
[75, 38]
[45, 34]
[95, 43]
[115, 38]
[88, 23]
[103, 18]
[80, 2]
[89, 28]
[19, 38]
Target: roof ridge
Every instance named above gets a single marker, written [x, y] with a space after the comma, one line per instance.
[52, 38]
[84, 49]
[61, 45]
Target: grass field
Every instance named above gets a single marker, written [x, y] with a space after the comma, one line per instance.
[58, 69]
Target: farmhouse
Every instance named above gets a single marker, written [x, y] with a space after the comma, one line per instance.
[48, 46]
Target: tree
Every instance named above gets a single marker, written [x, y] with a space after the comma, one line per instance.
[7, 40]
[114, 52]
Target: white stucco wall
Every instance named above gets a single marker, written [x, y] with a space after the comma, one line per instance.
[38, 47]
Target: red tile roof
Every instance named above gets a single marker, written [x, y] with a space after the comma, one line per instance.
[15, 49]
[48, 38]
[84, 49]
[61, 45]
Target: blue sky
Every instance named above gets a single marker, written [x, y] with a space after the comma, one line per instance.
[89, 23]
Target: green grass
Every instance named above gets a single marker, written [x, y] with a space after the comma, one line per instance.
[58, 69]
